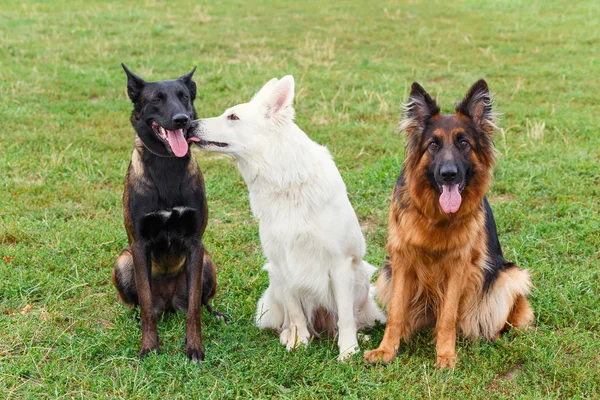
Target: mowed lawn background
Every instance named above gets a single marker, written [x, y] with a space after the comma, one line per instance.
[66, 144]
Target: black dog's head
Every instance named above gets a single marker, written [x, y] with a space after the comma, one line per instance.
[163, 112]
[453, 154]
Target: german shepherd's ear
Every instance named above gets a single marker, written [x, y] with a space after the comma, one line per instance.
[191, 85]
[135, 84]
[477, 105]
[418, 110]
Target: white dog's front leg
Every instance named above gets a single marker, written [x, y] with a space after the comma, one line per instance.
[342, 280]
[297, 332]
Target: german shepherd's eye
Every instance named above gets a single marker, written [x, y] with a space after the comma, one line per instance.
[433, 146]
[233, 117]
[464, 144]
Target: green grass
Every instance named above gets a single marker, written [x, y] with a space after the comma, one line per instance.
[66, 143]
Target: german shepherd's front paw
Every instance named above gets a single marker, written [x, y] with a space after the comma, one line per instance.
[195, 353]
[445, 362]
[379, 356]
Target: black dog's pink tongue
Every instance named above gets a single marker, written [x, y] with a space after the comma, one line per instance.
[177, 142]
[450, 198]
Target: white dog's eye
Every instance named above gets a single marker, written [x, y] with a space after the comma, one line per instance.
[232, 117]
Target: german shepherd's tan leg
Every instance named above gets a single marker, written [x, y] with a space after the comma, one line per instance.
[447, 319]
[398, 324]
[520, 316]
[194, 348]
[142, 267]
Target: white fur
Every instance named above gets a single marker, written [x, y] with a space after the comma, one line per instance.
[308, 229]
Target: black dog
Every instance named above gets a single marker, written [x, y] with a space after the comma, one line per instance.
[165, 266]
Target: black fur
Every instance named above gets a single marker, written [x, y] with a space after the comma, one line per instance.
[497, 262]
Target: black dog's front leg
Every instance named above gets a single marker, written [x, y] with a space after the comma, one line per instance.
[194, 348]
[142, 266]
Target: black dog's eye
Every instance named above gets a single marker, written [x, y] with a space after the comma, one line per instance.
[233, 117]
[156, 99]
[185, 97]
[434, 146]
[463, 143]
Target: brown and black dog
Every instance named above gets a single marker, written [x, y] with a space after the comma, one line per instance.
[445, 268]
[165, 266]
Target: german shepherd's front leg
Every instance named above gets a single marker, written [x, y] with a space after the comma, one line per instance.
[447, 318]
[398, 323]
[142, 266]
[194, 348]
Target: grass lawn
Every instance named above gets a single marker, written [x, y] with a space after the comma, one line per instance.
[67, 143]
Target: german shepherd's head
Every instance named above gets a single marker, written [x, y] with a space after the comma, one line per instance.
[163, 112]
[449, 158]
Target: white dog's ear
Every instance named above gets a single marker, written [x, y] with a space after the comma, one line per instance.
[282, 95]
[265, 90]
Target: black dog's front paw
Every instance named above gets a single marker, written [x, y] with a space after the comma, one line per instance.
[145, 350]
[195, 353]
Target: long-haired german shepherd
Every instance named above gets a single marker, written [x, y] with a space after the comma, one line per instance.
[165, 266]
[445, 267]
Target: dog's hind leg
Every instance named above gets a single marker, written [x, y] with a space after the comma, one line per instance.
[209, 287]
[342, 281]
[194, 348]
[521, 314]
[501, 306]
[123, 277]
[367, 310]
[270, 313]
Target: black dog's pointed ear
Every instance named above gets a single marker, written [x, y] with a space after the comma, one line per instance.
[135, 84]
[418, 110]
[477, 105]
[187, 79]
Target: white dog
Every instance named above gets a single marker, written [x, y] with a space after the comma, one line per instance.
[308, 229]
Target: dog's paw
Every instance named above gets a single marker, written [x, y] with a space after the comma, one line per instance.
[195, 353]
[379, 356]
[221, 318]
[445, 362]
[145, 350]
[291, 338]
[348, 352]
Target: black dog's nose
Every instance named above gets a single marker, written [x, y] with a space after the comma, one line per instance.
[181, 119]
[449, 172]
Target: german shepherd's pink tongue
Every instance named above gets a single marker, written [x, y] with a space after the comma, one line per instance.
[177, 142]
[450, 199]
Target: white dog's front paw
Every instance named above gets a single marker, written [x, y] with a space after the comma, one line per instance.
[284, 336]
[292, 338]
[347, 352]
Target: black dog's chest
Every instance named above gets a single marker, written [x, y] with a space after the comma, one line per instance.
[167, 210]
[168, 236]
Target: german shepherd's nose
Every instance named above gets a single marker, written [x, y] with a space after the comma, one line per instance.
[181, 120]
[449, 172]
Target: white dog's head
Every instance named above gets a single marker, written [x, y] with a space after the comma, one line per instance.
[247, 128]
